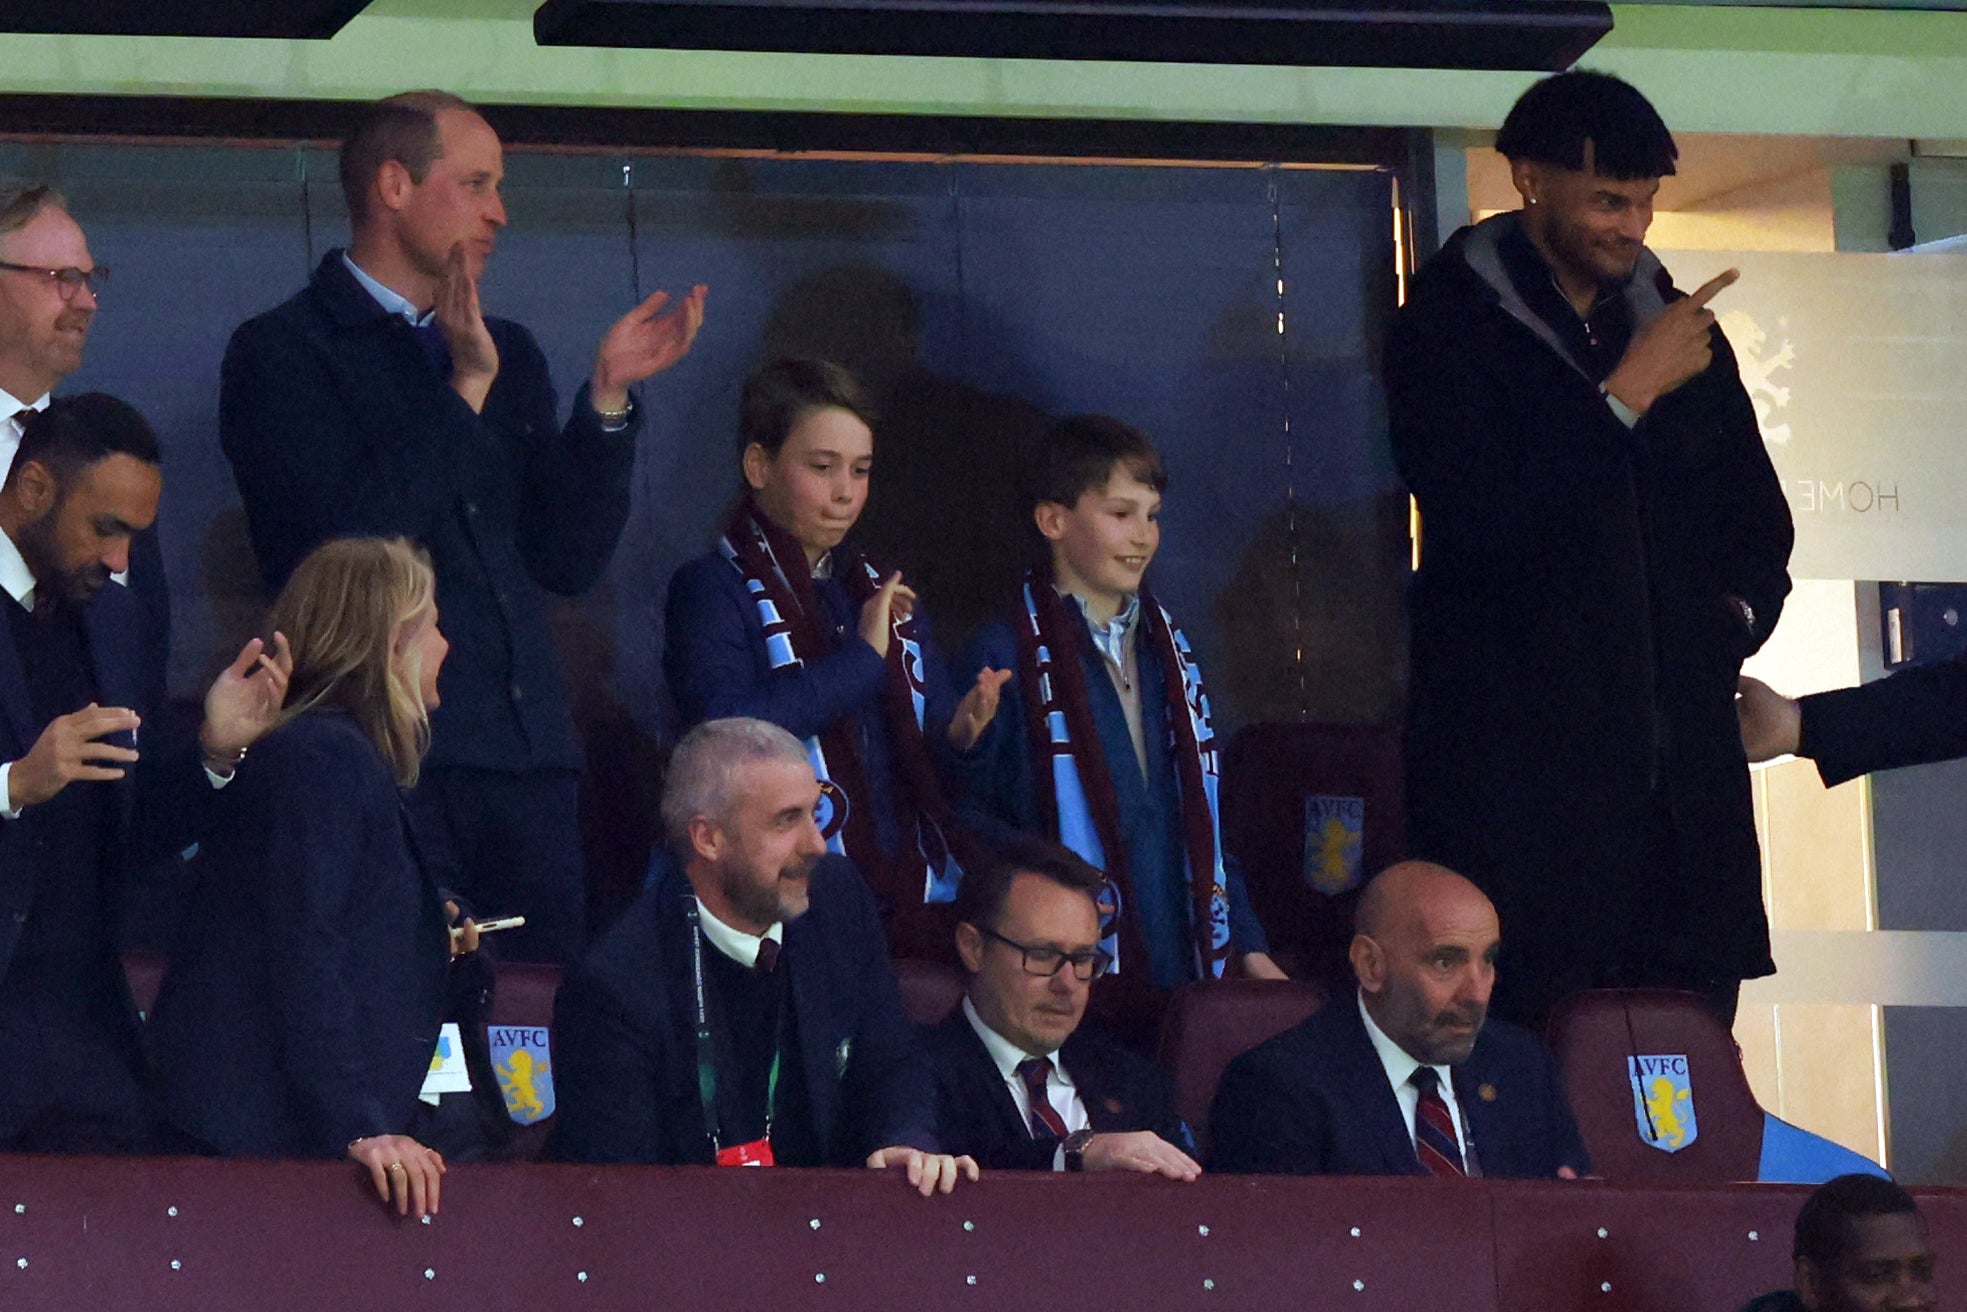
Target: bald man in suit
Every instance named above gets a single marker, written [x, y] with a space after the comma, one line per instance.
[1409, 1076]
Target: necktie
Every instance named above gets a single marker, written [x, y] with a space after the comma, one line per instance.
[768, 956]
[1046, 1123]
[1434, 1127]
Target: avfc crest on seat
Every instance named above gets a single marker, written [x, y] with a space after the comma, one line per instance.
[521, 1059]
[1335, 841]
[1663, 1101]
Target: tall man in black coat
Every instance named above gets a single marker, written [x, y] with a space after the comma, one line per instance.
[742, 1012]
[381, 400]
[1409, 1076]
[1021, 1084]
[80, 807]
[1603, 542]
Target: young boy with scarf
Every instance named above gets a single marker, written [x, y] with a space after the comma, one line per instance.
[781, 623]
[1104, 741]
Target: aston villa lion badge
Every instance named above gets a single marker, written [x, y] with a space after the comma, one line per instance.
[1663, 1101]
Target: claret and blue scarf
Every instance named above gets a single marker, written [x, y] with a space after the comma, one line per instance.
[1080, 807]
[780, 585]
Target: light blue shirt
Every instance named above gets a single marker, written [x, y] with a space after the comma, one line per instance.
[1112, 637]
[408, 312]
[388, 299]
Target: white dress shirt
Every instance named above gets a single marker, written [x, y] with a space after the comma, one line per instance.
[1060, 1091]
[10, 427]
[1400, 1068]
[735, 943]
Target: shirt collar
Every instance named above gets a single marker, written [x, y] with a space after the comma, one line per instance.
[1111, 638]
[15, 576]
[1005, 1054]
[11, 406]
[389, 300]
[1399, 1064]
[735, 943]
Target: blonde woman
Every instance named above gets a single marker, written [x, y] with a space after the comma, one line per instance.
[305, 996]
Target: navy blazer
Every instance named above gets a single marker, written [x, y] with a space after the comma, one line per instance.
[161, 805]
[624, 1050]
[976, 1114]
[336, 422]
[305, 993]
[998, 779]
[1315, 1101]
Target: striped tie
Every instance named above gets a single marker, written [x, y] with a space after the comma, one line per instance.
[1046, 1123]
[1434, 1127]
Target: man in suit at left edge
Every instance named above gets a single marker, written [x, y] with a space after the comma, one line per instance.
[742, 1012]
[82, 806]
[49, 284]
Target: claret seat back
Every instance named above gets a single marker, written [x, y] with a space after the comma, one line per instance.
[1693, 1120]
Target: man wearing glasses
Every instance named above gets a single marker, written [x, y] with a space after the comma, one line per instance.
[48, 286]
[48, 289]
[1020, 1084]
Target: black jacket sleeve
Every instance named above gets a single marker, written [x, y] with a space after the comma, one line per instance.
[1913, 717]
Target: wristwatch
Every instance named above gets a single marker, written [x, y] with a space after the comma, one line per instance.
[1074, 1147]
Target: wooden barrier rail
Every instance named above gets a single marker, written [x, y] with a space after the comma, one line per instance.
[162, 1234]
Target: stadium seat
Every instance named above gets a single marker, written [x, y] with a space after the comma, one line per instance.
[1701, 1123]
[930, 990]
[522, 996]
[1210, 1024]
[1340, 784]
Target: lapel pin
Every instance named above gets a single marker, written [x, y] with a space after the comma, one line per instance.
[1486, 1092]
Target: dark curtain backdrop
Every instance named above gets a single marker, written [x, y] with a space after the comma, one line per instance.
[976, 299]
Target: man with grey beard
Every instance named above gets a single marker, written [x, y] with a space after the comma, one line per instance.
[742, 1012]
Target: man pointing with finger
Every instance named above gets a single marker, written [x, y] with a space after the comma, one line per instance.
[381, 400]
[1603, 541]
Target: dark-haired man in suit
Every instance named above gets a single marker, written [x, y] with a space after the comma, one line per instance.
[79, 808]
[1020, 1084]
[742, 1012]
[1411, 1077]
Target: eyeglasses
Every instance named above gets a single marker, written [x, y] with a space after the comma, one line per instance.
[1046, 962]
[68, 281]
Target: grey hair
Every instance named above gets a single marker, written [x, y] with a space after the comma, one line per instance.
[21, 201]
[705, 765]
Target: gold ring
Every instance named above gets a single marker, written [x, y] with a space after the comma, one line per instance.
[394, 1166]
